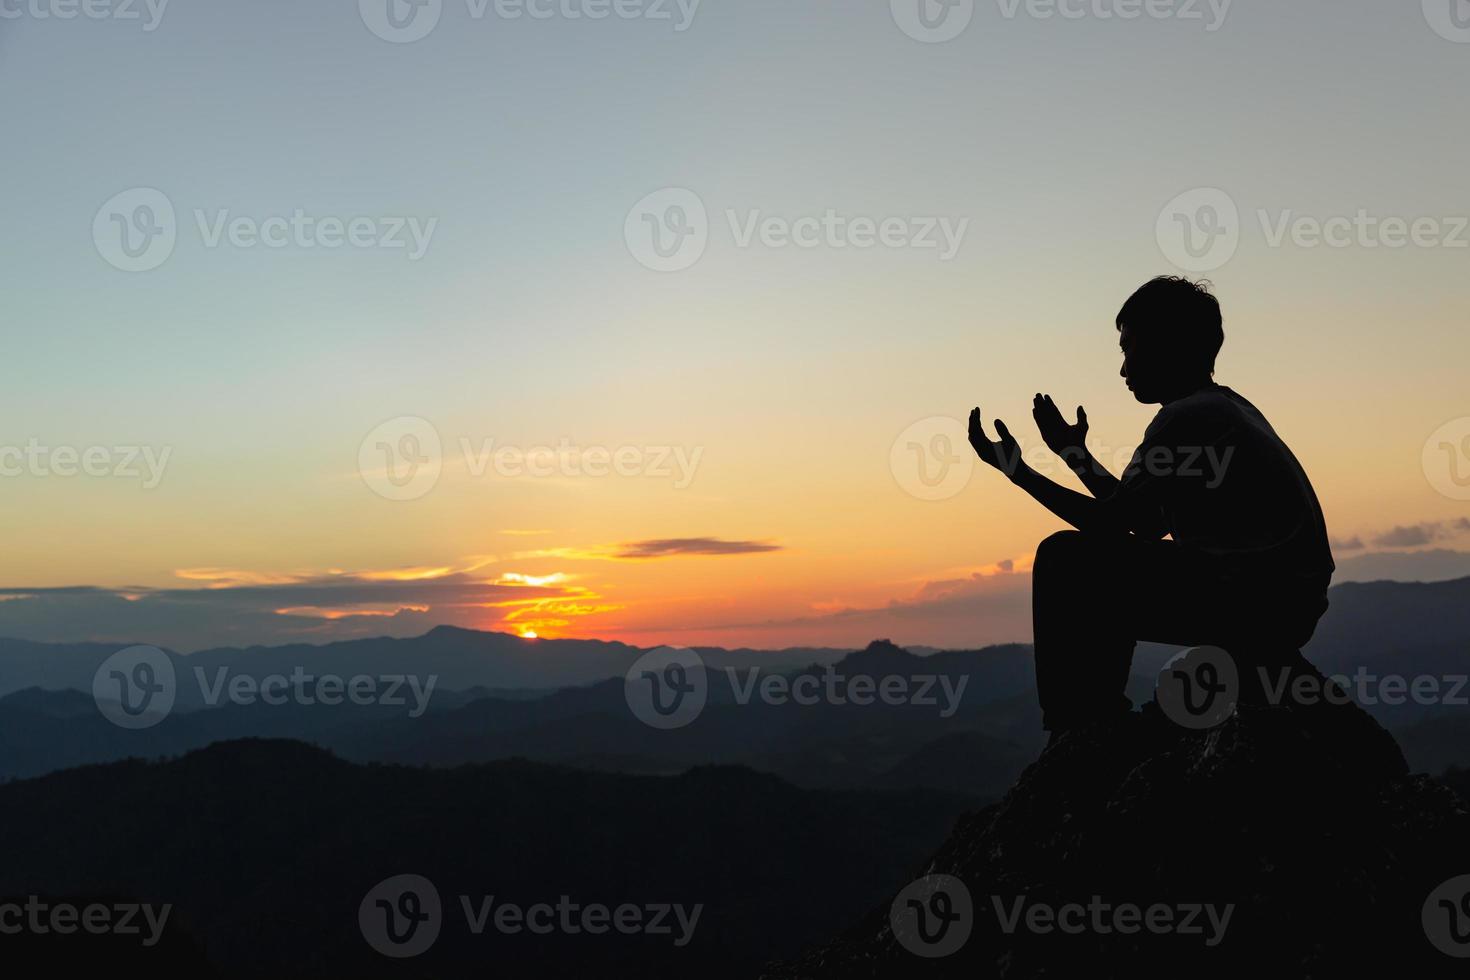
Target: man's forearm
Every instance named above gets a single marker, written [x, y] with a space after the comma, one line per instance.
[1094, 476]
[1082, 512]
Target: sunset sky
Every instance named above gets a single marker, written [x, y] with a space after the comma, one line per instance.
[785, 374]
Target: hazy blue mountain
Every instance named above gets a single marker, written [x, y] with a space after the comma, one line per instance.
[562, 701]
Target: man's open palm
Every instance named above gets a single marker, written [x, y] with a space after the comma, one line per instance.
[1004, 455]
[1060, 436]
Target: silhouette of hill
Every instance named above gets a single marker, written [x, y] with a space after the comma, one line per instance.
[1304, 820]
[823, 744]
[1385, 628]
[267, 848]
[461, 658]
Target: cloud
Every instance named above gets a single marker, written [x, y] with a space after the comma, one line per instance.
[1353, 543]
[223, 607]
[670, 547]
[1418, 535]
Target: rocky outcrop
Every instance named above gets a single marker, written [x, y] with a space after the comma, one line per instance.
[1284, 842]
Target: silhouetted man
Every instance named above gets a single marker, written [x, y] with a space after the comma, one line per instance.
[1249, 564]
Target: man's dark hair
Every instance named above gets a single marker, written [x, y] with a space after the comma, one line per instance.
[1181, 313]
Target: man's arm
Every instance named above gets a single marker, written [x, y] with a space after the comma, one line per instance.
[1069, 442]
[1115, 513]
[1094, 476]
[1079, 510]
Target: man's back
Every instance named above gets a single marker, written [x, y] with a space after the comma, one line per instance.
[1235, 491]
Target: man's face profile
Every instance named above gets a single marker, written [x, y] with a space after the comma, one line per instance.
[1143, 368]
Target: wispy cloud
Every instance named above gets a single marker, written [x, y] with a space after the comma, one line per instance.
[222, 606]
[1421, 534]
[671, 547]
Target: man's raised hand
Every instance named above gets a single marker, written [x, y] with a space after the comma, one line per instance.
[1004, 455]
[1061, 437]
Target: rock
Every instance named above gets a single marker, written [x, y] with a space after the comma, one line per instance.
[1299, 827]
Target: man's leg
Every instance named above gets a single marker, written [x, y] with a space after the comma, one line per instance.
[1093, 596]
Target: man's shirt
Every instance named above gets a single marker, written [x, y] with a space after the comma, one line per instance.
[1223, 483]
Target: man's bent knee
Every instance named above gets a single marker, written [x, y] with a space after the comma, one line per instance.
[1061, 550]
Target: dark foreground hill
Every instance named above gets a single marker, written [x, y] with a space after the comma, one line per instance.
[267, 849]
[1303, 823]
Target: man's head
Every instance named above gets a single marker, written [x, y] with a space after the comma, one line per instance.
[1170, 331]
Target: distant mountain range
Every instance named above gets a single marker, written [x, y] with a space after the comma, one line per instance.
[562, 701]
[460, 658]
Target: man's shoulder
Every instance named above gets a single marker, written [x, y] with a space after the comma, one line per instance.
[1213, 403]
